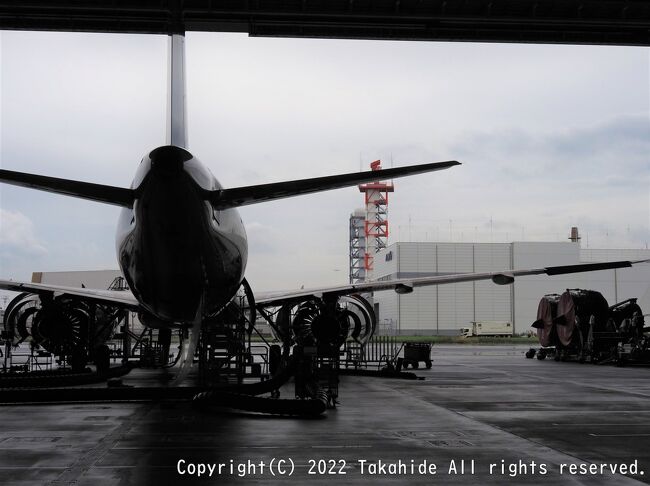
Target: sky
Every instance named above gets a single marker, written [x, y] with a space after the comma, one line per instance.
[549, 137]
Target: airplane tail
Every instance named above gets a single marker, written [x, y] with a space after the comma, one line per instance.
[177, 136]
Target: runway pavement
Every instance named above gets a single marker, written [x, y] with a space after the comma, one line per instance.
[483, 415]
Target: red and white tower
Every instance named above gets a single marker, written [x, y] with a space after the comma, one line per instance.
[376, 223]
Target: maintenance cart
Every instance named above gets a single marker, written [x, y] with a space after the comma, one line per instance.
[416, 352]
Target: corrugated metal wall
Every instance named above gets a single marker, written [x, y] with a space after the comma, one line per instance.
[91, 279]
[445, 309]
[493, 302]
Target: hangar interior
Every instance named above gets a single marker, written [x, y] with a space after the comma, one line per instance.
[445, 309]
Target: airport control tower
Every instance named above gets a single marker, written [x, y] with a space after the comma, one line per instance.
[375, 225]
[358, 246]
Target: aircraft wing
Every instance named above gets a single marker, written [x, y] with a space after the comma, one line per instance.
[405, 286]
[113, 297]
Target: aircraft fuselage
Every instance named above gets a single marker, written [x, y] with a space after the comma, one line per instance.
[179, 254]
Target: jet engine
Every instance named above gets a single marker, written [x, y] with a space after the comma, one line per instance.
[318, 322]
[58, 325]
[18, 317]
[581, 314]
[581, 323]
[64, 326]
[61, 327]
[546, 312]
[628, 318]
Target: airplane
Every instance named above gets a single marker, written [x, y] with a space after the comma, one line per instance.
[182, 247]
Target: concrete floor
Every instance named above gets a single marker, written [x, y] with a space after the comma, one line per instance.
[487, 404]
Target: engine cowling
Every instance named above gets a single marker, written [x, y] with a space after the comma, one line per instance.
[316, 322]
[61, 327]
[18, 317]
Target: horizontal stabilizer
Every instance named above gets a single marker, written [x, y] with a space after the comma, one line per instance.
[118, 196]
[242, 196]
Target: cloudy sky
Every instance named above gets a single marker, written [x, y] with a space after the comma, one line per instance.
[549, 136]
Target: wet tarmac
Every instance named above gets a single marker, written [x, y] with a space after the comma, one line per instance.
[483, 415]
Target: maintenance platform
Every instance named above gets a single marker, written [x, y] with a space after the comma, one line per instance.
[486, 404]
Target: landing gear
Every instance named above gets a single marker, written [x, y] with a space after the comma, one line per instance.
[224, 346]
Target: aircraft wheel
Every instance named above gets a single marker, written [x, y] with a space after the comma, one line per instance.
[416, 365]
[429, 365]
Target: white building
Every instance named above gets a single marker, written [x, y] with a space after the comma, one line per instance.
[444, 309]
[91, 279]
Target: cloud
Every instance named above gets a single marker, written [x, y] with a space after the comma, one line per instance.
[536, 183]
[629, 134]
[595, 161]
[262, 239]
[17, 237]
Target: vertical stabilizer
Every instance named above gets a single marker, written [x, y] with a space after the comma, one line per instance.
[176, 109]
